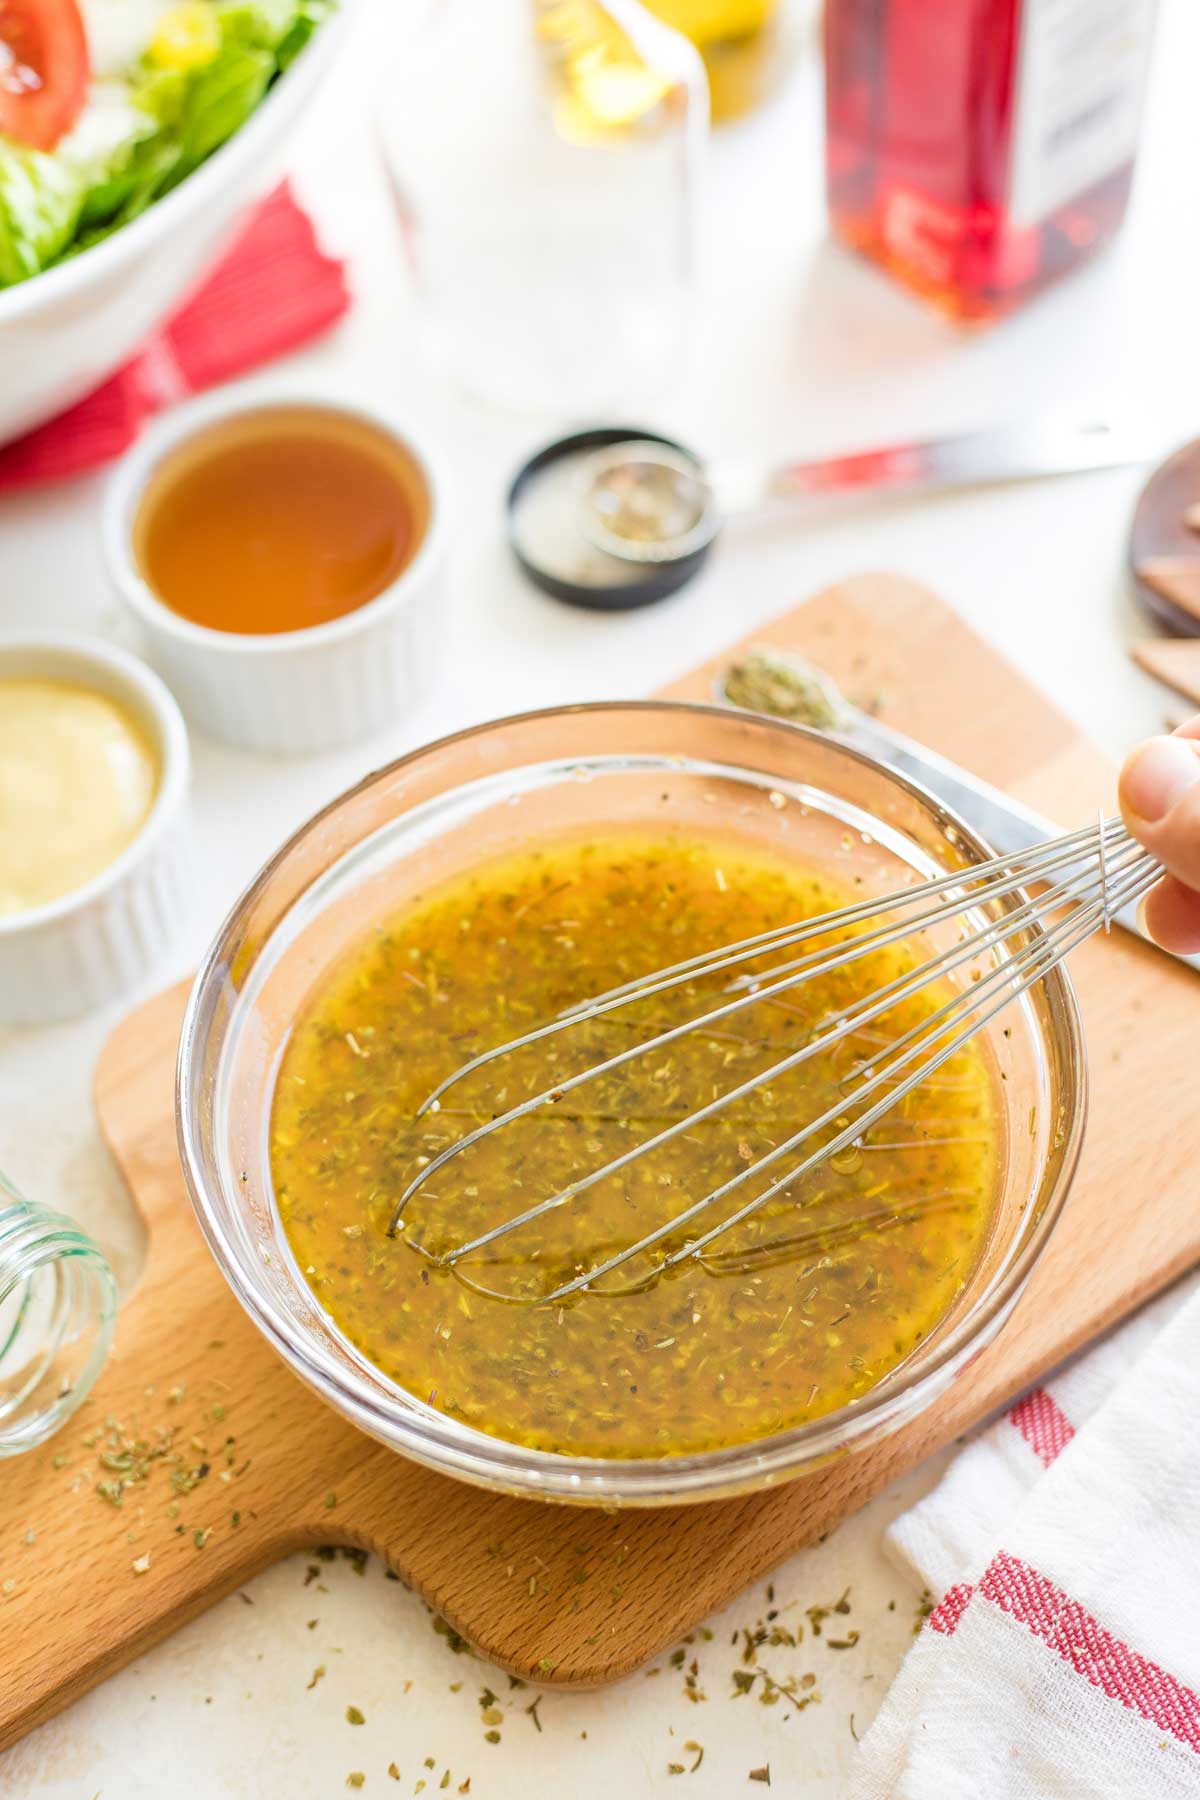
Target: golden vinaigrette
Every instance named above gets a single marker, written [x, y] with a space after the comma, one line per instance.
[790, 1315]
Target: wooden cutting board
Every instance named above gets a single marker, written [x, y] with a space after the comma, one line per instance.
[558, 1595]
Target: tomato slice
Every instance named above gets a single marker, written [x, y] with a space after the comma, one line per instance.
[43, 70]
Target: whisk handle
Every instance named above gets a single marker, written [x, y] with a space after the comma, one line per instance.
[1008, 827]
[1003, 823]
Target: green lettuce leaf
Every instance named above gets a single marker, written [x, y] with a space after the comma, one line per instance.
[41, 201]
[309, 15]
[262, 24]
[219, 99]
[51, 207]
[131, 185]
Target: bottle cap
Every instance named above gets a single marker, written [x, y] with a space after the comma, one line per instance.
[549, 543]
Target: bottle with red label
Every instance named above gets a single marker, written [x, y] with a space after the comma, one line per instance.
[979, 149]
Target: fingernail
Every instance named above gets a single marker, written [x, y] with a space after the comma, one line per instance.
[1158, 775]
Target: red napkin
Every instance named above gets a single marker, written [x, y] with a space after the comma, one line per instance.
[274, 290]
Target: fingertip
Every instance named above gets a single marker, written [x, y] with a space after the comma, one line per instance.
[1155, 778]
[1171, 916]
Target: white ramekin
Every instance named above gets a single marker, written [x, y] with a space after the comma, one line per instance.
[295, 691]
[88, 946]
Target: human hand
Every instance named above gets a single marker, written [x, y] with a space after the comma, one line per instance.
[1160, 803]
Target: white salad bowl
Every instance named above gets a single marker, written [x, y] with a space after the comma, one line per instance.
[64, 331]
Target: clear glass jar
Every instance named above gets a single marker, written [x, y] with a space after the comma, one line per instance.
[58, 1305]
[546, 159]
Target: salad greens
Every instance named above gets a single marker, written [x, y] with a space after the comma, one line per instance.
[180, 102]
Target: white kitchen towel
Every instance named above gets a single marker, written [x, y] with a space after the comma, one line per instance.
[1062, 1661]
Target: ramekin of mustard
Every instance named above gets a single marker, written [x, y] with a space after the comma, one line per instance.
[94, 773]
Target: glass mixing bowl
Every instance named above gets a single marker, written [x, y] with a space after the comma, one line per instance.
[505, 786]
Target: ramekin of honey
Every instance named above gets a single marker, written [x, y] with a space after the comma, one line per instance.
[284, 561]
[94, 774]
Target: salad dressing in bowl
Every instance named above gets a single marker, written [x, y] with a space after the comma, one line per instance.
[284, 1172]
[789, 1316]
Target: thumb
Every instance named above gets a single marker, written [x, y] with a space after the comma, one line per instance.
[1160, 802]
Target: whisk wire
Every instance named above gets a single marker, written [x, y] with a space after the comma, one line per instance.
[1041, 963]
[1039, 863]
[835, 1027]
[768, 983]
[1099, 870]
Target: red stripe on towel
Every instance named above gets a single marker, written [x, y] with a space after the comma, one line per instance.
[1043, 1424]
[949, 1610]
[1065, 1627]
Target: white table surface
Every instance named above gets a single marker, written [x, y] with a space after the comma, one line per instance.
[802, 350]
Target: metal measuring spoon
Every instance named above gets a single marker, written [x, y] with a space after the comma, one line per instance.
[648, 502]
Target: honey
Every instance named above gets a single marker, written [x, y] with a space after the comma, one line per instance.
[280, 519]
[795, 1312]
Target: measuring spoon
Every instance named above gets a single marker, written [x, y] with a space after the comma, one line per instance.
[646, 501]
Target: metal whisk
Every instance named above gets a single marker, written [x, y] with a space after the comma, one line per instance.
[1084, 879]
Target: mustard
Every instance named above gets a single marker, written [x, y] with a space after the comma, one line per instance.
[78, 777]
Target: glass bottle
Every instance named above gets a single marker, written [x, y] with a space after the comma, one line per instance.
[546, 160]
[979, 149]
[58, 1305]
